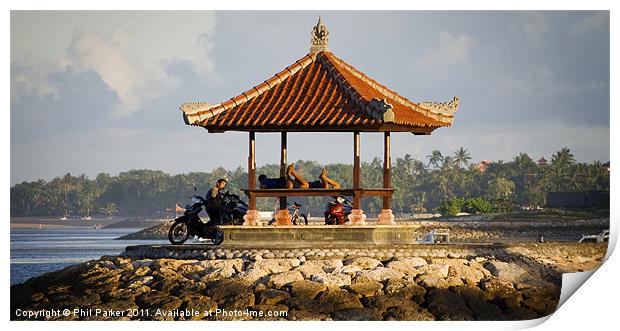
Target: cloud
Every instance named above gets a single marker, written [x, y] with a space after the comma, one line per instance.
[30, 80]
[451, 51]
[535, 25]
[542, 80]
[130, 56]
[598, 21]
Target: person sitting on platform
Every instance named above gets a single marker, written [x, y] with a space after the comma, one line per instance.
[295, 180]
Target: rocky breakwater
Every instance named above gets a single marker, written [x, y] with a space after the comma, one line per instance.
[522, 283]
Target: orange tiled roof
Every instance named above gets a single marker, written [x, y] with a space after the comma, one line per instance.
[319, 92]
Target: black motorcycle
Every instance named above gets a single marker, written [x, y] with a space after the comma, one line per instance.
[231, 212]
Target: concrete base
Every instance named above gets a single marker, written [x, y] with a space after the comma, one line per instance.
[318, 235]
[357, 217]
[386, 217]
[283, 217]
[252, 218]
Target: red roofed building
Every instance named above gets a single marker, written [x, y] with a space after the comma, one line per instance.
[542, 162]
[321, 93]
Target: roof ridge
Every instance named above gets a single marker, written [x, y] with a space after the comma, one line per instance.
[194, 112]
[446, 118]
[372, 107]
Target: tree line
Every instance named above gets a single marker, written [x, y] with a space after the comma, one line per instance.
[421, 185]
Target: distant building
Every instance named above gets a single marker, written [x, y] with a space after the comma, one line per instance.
[542, 162]
[483, 165]
[598, 199]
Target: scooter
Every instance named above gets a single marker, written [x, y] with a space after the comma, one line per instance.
[337, 211]
[189, 224]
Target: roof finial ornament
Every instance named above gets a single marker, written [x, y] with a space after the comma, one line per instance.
[319, 37]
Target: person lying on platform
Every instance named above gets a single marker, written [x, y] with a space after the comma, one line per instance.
[295, 180]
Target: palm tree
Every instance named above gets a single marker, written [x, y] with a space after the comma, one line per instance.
[524, 163]
[434, 158]
[461, 157]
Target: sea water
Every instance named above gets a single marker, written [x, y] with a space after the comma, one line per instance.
[38, 251]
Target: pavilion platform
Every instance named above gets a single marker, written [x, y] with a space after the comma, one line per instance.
[318, 235]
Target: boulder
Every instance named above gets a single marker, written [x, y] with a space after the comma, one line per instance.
[359, 314]
[448, 306]
[379, 274]
[501, 293]
[406, 289]
[252, 276]
[364, 262]
[477, 303]
[306, 288]
[340, 299]
[284, 278]
[272, 296]
[510, 271]
[332, 279]
[369, 288]
[274, 266]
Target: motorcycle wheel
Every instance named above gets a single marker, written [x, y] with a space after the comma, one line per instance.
[305, 219]
[178, 233]
[331, 220]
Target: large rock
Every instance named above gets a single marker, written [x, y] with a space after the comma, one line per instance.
[380, 274]
[510, 271]
[252, 276]
[274, 266]
[340, 299]
[431, 281]
[198, 302]
[332, 279]
[215, 265]
[477, 303]
[350, 270]
[436, 270]
[369, 288]
[501, 293]
[228, 288]
[364, 262]
[408, 266]
[272, 296]
[448, 306]
[284, 278]
[306, 288]
[408, 313]
[406, 289]
[359, 314]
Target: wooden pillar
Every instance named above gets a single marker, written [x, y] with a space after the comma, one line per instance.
[387, 168]
[282, 216]
[356, 169]
[283, 165]
[386, 217]
[357, 216]
[252, 217]
[252, 167]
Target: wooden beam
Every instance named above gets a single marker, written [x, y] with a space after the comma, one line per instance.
[252, 169]
[283, 165]
[387, 169]
[356, 169]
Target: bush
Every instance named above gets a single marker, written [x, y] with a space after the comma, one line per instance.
[476, 205]
[456, 205]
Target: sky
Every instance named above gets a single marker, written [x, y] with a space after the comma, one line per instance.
[100, 91]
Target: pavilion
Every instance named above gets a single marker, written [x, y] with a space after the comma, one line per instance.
[320, 93]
